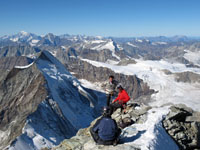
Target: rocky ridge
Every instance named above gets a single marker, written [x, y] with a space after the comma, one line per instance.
[183, 125]
[83, 140]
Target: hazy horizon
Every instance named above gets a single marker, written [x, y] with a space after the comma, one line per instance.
[99, 35]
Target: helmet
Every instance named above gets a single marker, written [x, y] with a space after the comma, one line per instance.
[119, 86]
[106, 111]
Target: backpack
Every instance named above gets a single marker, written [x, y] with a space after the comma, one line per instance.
[123, 123]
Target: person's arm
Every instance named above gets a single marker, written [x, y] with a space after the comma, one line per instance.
[95, 128]
[116, 99]
[116, 128]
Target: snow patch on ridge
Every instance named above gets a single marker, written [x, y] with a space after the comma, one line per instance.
[130, 44]
[24, 67]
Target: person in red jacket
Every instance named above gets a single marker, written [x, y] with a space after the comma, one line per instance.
[121, 100]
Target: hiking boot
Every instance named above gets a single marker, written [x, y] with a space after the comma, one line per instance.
[115, 142]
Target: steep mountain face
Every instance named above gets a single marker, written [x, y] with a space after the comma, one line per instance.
[41, 104]
[10, 62]
[21, 91]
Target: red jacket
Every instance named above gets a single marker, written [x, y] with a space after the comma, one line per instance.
[122, 96]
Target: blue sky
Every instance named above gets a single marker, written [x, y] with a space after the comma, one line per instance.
[101, 17]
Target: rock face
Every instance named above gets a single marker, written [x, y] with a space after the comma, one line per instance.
[18, 50]
[189, 77]
[101, 56]
[125, 62]
[183, 125]
[21, 91]
[84, 70]
[42, 104]
[83, 140]
[10, 62]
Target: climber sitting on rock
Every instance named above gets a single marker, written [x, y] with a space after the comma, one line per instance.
[105, 131]
[121, 100]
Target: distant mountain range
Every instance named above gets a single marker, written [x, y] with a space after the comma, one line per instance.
[49, 39]
[99, 48]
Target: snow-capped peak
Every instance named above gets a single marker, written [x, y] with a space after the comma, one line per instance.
[24, 33]
[23, 37]
[99, 37]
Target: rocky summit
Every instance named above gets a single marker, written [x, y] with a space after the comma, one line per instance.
[181, 123]
[84, 141]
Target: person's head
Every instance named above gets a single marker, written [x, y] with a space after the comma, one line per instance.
[120, 88]
[111, 78]
[106, 111]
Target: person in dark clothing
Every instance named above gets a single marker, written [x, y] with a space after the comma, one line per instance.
[121, 100]
[110, 87]
[105, 131]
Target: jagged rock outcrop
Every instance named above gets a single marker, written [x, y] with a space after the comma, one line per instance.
[183, 125]
[84, 141]
[84, 70]
[21, 91]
